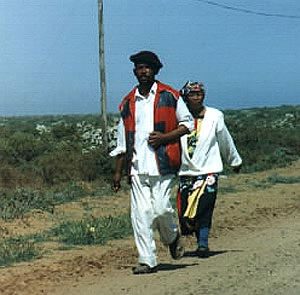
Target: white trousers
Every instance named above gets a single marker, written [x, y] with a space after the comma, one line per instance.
[151, 209]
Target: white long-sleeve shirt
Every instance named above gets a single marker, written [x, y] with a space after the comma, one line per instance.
[144, 161]
[214, 145]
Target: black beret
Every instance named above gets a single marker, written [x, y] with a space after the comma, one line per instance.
[146, 57]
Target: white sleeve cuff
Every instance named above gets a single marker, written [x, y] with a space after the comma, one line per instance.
[117, 151]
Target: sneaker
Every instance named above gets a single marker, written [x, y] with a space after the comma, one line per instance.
[143, 269]
[176, 248]
[202, 252]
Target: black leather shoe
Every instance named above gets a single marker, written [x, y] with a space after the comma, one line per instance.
[143, 269]
[177, 248]
[202, 252]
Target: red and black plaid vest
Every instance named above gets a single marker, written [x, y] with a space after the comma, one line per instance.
[168, 157]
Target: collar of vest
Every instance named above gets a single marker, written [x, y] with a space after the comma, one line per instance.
[160, 88]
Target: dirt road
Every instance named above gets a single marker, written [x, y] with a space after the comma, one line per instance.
[266, 261]
[255, 246]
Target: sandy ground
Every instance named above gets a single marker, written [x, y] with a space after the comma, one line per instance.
[255, 245]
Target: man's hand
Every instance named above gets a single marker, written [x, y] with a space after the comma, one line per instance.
[156, 139]
[116, 182]
[116, 185]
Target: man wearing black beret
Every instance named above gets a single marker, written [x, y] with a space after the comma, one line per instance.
[153, 118]
[149, 58]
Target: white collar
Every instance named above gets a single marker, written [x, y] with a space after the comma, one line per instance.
[152, 91]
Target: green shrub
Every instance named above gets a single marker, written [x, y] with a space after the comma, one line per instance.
[59, 166]
[64, 131]
[70, 192]
[10, 176]
[94, 230]
[16, 250]
[16, 203]
[23, 147]
[265, 138]
[95, 164]
[275, 178]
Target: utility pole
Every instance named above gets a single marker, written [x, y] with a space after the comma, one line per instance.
[102, 72]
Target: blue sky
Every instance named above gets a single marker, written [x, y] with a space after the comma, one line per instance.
[49, 52]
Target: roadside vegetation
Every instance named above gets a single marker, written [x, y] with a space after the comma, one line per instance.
[17, 249]
[93, 230]
[49, 161]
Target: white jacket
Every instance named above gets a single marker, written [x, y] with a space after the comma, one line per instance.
[214, 144]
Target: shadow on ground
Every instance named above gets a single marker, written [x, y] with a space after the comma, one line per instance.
[210, 253]
[170, 267]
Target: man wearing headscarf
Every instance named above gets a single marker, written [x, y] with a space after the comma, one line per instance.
[202, 153]
[153, 118]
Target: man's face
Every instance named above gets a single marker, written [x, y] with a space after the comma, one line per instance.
[144, 73]
[195, 99]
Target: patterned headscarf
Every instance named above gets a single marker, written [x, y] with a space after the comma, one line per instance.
[190, 86]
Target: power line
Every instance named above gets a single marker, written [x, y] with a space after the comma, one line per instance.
[249, 11]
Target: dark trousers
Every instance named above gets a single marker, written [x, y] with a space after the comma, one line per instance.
[206, 205]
